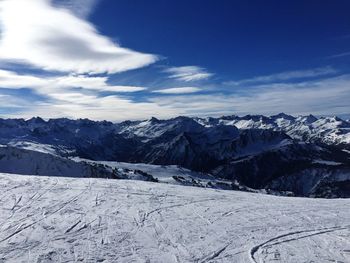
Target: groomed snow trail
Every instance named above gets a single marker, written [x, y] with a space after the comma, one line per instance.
[50, 219]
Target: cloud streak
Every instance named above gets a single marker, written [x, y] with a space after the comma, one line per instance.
[188, 73]
[286, 76]
[345, 54]
[47, 85]
[32, 33]
[179, 90]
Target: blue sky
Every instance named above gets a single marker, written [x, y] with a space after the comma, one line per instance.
[116, 60]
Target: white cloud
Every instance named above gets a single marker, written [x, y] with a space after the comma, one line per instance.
[179, 90]
[9, 79]
[37, 33]
[79, 105]
[93, 83]
[188, 73]
[47, 85]
[324, 97]
[73, 97]
[284, 76]
[62, 101]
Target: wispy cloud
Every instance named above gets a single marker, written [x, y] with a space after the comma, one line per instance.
[32, 32]
[10, 79]
[319, 97]
[179, 90]
[286, 76]
[322, 97]
[340, 55]
[12, 102]
[81, 8]
[188, 73]
[59, 97]
[46, 85]
[79, 105]
[92, 83]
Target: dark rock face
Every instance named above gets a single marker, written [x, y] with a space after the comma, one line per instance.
[338, 189]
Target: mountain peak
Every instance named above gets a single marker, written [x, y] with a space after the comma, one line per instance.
[36, 120]
[153, 120]
[283, 115]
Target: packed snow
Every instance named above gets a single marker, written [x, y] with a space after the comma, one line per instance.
[55, 219]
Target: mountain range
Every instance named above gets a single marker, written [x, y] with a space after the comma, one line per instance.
[301, 156]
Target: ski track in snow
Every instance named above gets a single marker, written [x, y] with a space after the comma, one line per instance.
[49, 219]
[292, 236]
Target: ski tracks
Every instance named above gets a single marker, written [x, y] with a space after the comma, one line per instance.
[60, 206]
[288, 237]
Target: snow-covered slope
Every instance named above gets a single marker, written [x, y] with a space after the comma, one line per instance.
[174, 174]
[51, 219]
[21, 161]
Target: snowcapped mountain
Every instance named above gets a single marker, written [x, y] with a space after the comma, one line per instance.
[153, 127]
[302, 154]
[328, 130]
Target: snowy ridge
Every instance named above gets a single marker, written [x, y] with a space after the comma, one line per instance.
[20, 161]
[329, 130]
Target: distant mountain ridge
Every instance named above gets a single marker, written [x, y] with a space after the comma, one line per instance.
[281, 152]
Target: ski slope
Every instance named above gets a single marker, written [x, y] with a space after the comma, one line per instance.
[167, 174]
[55, 219]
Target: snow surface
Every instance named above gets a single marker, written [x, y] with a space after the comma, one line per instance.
[55, 219]
[326, 162]
[163, 173]
[32, 146]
